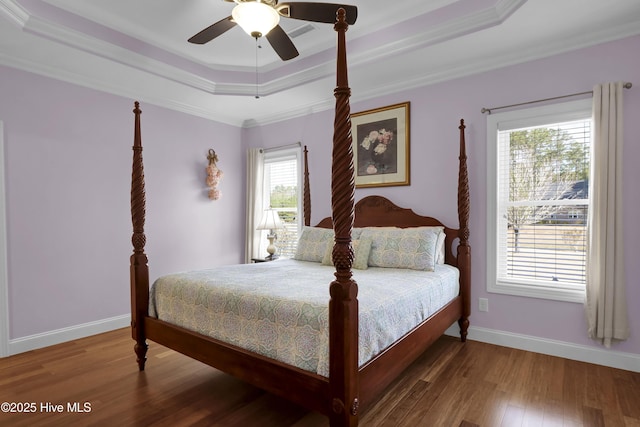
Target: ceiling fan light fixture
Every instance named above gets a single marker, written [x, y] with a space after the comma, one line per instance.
[255, 18]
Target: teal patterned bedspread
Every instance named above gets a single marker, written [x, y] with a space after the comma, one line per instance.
[280, 309]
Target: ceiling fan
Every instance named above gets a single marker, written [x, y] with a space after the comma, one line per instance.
[261, 17]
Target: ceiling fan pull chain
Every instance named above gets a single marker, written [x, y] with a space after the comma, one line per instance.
[257, 47]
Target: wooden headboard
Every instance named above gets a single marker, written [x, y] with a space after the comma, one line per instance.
[378, 211]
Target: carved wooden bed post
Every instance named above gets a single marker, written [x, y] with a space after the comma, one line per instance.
[343, 305]
[306, 200]
[464, 250]
[139, 269]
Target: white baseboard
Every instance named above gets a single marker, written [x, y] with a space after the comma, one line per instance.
[45, 339]
[582, 353]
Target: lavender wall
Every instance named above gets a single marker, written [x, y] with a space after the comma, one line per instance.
[68, 169]
[435, 112]
[67, 174]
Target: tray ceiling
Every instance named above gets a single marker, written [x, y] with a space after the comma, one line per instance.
[139, 49]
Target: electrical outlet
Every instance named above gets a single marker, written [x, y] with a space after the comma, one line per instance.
[483, 304]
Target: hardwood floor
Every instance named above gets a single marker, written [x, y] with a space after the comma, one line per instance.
[452, 384]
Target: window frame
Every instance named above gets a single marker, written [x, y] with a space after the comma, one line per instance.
[526, 117]
[284, 154]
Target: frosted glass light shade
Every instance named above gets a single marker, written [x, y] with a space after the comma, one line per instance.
[255, 18]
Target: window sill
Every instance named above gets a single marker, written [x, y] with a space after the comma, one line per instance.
[533, 291]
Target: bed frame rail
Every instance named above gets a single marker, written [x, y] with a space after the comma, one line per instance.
[298, 386]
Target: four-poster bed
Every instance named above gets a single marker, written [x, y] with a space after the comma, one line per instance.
[351, 384]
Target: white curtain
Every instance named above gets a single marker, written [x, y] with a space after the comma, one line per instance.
[606, 301]
[254, 203]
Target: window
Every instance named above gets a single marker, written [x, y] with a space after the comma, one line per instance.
[538, 186]
[282, 187]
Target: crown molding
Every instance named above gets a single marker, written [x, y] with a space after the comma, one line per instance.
[495, 62]
[114, 89]
[454, 28]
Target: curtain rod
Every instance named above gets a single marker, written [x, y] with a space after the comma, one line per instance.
[282, 147]
[488, 110]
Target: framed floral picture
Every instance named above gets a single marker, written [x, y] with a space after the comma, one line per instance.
[381, 146]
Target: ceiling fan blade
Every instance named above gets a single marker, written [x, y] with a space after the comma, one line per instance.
[281, 43]
[213, 31]
[317, 12]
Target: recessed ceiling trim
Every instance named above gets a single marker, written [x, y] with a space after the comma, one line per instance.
[14, 12]
[482, 19]
[449, 30]
[81, 41]
[467, 24]
[91, 45]
[504, 8]
[87, 10]
[297, 111]
[277, 85]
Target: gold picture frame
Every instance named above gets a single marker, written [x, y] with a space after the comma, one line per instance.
[381, 146]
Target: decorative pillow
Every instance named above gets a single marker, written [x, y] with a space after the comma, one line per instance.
[361, 249]
[440, 247]
[413, 248]
[439, 243]
[313, 243]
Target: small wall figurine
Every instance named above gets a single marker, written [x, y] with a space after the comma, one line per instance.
[214, 175]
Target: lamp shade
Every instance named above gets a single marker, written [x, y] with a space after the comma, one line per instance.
[270, 220]
[255, 18]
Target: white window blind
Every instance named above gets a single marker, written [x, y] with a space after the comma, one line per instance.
[282, 187]
[544, 171]
[540, 203]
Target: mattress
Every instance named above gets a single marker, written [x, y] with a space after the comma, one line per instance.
[280, 308]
